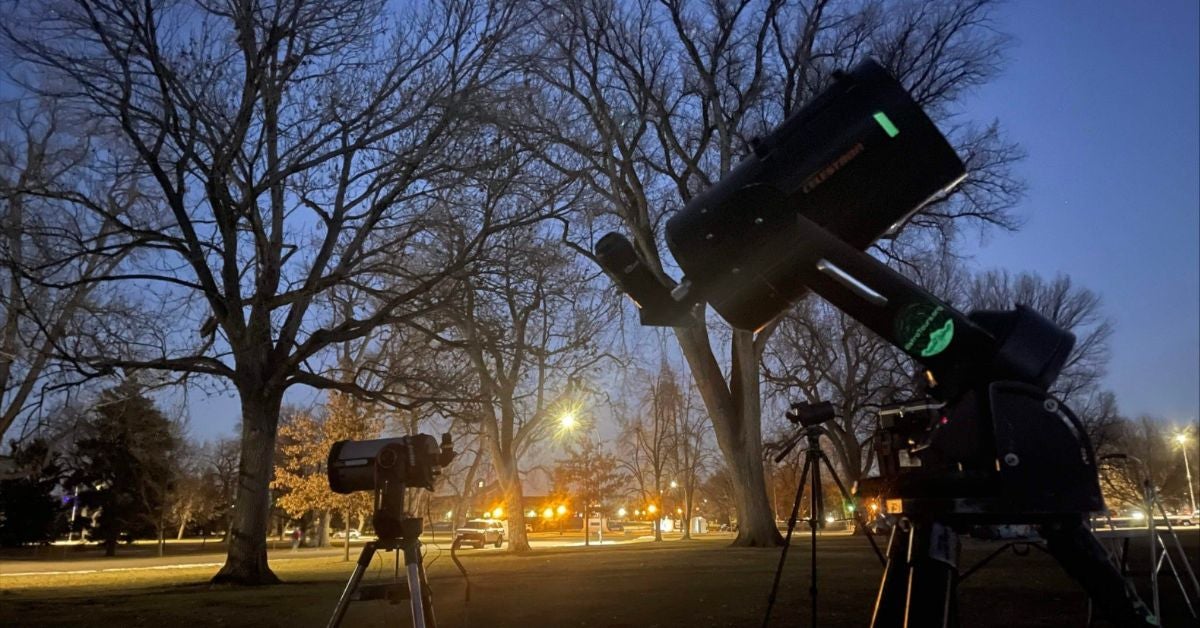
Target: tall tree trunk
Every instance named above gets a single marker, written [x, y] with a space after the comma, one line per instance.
[346, 527]
[687, 513]
[734, 407]
[323, 528]
[182, 524]
[510, 483]
[246, 561]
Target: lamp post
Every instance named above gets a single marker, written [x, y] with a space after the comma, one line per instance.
[568, 422]
[1181, 439]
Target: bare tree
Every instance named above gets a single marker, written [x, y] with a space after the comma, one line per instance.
[691, 450]
[464, 476]
[288, 145]
[650, 102]
[528, 324]
[821, 354]
[50, 252]
[649, 435]
[593, 476]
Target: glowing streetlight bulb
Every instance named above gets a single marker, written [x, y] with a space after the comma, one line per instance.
[562, 510]
[548, 513]
[567, 421]
[498, 512]
[674, 484]
[651, 509]
[1181, 438]
[621, 512]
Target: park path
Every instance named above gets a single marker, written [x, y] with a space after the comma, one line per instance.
[116, 564]
[14, 568]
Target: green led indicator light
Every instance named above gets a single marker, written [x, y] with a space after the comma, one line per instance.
[886, 123]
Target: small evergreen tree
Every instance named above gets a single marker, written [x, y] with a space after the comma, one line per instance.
[123, 463]
[29, 510]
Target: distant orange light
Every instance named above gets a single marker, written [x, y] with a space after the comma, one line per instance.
[562, 510]
[651, 509]
[548, 513]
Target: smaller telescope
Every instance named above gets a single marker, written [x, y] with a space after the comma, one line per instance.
[810, 414]
[389, 466]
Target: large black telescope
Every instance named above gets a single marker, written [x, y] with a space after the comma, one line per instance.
[796, 215]
[848, 168]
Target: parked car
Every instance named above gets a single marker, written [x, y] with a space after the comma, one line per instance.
[341, 534]
[480, 532]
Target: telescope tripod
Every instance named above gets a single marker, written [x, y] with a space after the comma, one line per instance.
[813, 456]
[920, 580]
[415, 587]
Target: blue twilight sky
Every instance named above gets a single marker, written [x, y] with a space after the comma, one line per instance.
[1104, 96]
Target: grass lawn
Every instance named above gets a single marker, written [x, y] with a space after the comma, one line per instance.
[696, 583]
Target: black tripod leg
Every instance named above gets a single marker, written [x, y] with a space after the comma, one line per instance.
[858, 518]
[364, 561]
[933, 576]
[1082, 556]
[426, 596]
[412, 565]
[787, 542]
[889, 603]
[816, 509]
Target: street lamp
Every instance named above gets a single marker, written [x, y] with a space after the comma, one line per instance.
[567, 423]
[1181, 439]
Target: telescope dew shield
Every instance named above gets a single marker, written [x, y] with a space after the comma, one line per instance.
[858, 161]
[351, 464]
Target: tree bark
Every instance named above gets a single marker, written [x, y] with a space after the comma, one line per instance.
[687, 514]
[510, 483]
[323, 528]
[246, 560]
[346, 527]
[735, 412]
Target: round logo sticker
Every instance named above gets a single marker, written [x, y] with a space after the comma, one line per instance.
[923, 329]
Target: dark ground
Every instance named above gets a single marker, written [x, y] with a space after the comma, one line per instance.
[697, 583]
